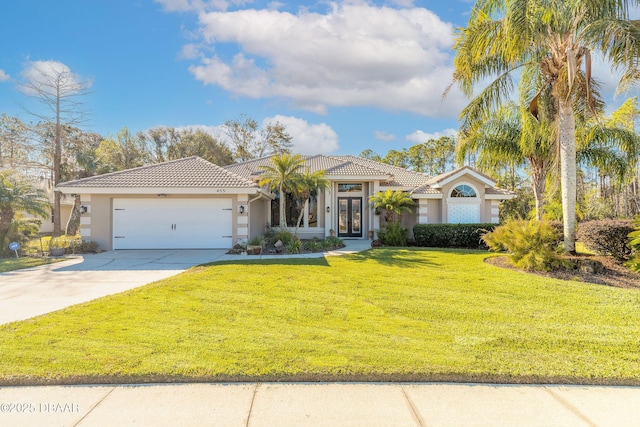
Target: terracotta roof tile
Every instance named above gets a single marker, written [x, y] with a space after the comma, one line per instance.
[192, 172]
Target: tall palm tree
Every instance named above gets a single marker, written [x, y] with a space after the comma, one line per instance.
[18, 194]
[282, 175]
[393, 202]
[308, 185]
[553, 39]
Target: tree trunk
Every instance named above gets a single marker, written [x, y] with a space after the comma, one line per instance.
[567, 141]
[73, 225]
[283, 202]
[6, 218]
[57, 160]
[538, 184]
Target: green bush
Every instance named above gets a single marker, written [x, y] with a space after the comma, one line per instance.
[79, 246]
[332, 242]
[451, 235]
[607, 237]
[531, 245]
[314, 245]
[634, 244]
[393, 234]
[285, 236]
[21, 231]
[294, 246]
[256, 241]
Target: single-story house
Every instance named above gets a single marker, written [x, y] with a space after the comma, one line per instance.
[192, 203]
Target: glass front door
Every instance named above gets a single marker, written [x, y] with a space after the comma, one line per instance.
[349, 216]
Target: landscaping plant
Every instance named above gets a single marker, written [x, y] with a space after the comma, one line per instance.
[530, 244]
[607, 237]
[634, 244]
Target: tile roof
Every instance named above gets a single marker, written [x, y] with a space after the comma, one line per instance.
[190, 172]
[400, 177]
[500, 191]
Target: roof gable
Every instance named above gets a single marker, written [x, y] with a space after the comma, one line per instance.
[445, 178]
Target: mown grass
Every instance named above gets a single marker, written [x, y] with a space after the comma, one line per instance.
[384, 314]
[10, 264]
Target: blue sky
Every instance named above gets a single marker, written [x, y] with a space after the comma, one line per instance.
[341, 76]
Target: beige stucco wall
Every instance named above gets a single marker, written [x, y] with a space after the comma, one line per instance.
[258, 217]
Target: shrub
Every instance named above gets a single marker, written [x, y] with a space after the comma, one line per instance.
[294, 246]
[21, 231]
[393, 234]
[313, 245]
[607, 237]
[451, 235]
[332, 242]
[531, 245]
[256, 241]
[634, 244]
[79, 246]
[285, 236]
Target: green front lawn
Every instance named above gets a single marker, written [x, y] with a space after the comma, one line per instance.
[10, 264]
[384, 314]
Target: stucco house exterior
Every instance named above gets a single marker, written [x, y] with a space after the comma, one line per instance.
[193, 204]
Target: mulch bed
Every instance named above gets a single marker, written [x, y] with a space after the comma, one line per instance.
[614, 273]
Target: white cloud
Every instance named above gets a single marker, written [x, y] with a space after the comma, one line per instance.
[47, 76]
[190, 51]
[419, 137]
[384, 136]
[308, 138]
[355, 54]
[4, 77]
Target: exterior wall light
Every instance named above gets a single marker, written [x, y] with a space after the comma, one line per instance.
[328, 209]
[241, 209]
[83, 209]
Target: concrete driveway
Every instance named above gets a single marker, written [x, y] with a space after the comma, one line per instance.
[39, 290]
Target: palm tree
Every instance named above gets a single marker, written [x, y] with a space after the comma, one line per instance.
[308, 185]
[503, 140]
[17, 194]
[551, 39]
[393, 202]
[282, 176]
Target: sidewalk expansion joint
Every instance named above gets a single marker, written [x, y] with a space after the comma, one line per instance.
[575, 411]
[414, 411]
[94, 406]
[253, 398]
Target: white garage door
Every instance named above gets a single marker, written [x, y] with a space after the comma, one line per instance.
[172, 223]
[464, 213]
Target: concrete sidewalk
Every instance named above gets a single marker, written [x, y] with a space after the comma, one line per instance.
[320, 404]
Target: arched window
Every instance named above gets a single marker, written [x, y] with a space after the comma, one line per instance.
[463, 191]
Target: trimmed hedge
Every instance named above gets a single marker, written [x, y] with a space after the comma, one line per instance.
[607, 237]
[452, 235]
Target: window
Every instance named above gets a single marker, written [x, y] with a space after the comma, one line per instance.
[463, 191]
[293, 208]
[349, 188]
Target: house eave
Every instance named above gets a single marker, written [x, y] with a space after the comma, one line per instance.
[220, 191]
[499, 196]
[427, 196]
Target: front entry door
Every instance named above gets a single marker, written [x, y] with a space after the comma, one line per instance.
[349, 216]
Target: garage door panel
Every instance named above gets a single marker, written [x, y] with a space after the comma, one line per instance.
[172, 223]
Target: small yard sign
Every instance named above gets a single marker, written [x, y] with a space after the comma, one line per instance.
[14, 246]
